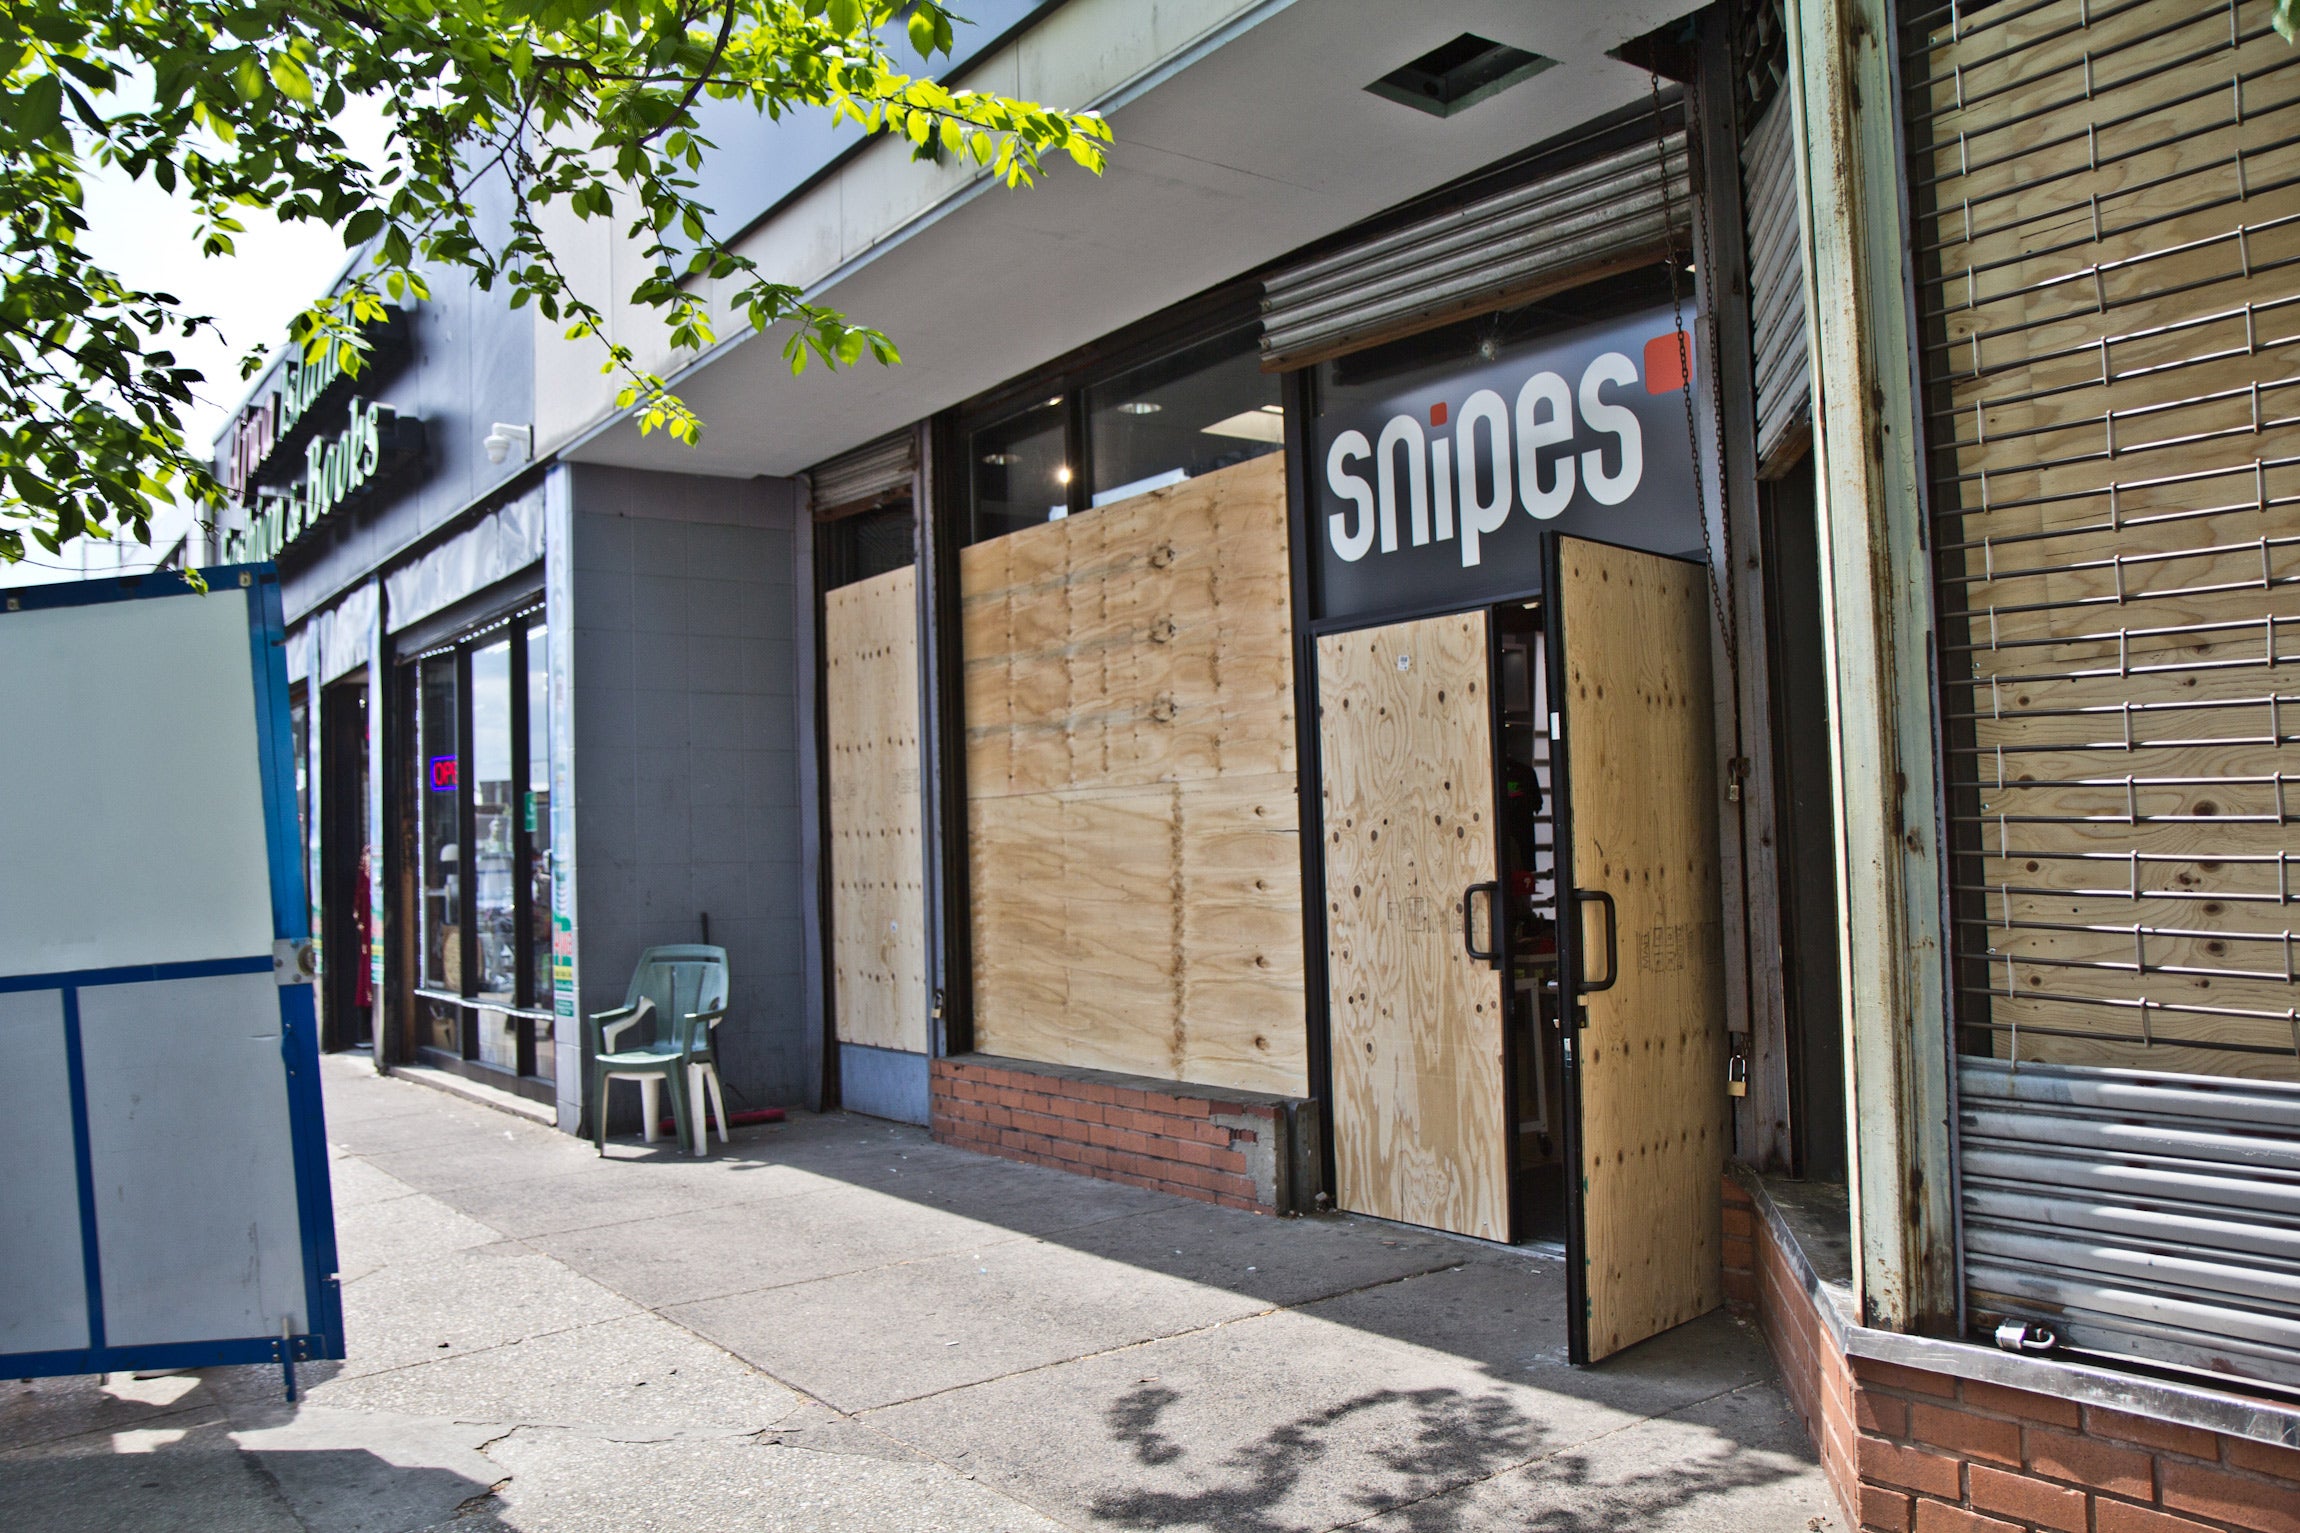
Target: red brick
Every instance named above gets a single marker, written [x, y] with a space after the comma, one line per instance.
[1740, 1254]
[1101, 1091]
[1741, 1222]
[1914, 1381]
[1886, 1510]
[2261, 1458]
[2168, 1436]
[2237, 1499]
[2018, 1496]
[1891, 1464]
[1940, 1517]
[1965, 1433]
[2097, 1465]
[2026, 1404]
[1740, 1288]
[1886, 1415]
[2124, 1517]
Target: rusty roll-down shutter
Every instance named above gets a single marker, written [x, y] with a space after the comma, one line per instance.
[876, 474]
[1777, 291]
[2107, 245]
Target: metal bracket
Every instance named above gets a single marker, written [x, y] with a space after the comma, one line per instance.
[293, 961]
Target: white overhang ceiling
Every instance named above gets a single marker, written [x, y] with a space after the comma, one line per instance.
[1265, 144]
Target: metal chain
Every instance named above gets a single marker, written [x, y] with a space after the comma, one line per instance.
[1724, 533]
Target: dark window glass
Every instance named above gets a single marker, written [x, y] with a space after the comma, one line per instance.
[1021, 471]
[865, 544]
[1181, 416]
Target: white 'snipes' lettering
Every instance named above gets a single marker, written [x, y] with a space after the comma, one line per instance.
[1408, 459]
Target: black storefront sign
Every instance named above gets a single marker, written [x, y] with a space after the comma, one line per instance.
[1431, 487]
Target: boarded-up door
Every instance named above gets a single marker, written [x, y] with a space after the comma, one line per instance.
[1633, 647]
[1406, 752]
[878, 894]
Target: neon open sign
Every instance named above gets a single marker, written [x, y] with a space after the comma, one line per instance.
[443, 774]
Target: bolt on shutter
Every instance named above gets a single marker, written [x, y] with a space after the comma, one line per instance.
[1613, 213]
[1777, 290]
[2107, 262]
[871, 476]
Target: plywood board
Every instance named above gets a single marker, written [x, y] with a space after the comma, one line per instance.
[877, 859]
[2120, 238]
[1134, 850]
[1643, 821]
[1421, 1130]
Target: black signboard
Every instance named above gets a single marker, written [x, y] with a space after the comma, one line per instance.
[1432, 479]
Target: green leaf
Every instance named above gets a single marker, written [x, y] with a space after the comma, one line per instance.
[289, 76]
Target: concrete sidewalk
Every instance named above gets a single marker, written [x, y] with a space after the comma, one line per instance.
[839, 1324]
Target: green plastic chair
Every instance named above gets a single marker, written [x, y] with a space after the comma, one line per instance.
[682, 990]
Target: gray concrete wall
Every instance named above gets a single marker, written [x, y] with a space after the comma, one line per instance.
[686, 728]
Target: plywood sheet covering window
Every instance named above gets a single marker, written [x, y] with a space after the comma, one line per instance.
[878, 889]
[1638, 737]
[1406, 746]
[1134, 851]
[2110, 272]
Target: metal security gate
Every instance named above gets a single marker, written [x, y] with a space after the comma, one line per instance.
[2107, 201]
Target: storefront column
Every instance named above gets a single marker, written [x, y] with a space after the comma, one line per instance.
[1878, 614]
[559, 635]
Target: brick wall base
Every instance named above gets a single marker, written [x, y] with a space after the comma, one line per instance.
[1235, 1148]
[1911, 1451]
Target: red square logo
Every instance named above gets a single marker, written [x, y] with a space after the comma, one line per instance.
[1666, 364]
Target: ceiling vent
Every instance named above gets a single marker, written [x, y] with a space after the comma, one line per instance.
[1459, 75]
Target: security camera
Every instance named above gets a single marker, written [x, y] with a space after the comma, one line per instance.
[503, 437]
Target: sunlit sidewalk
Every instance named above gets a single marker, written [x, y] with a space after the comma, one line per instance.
[838, 1324]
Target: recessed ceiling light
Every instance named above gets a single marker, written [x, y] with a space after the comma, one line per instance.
[1002, 459]
[1140, 407]
[1051, 403]
[1459, 75]
[1062, 474]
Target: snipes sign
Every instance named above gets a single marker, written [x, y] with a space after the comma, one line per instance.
[1432, 484]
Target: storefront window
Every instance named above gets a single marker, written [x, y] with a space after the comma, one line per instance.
[1145, 425]
[1181, 416]
[535, 821]
[482, 777]
[1021, 471]
[491, 870]
[436, 773]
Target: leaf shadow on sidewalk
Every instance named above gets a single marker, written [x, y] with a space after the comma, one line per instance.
[1438, 1446]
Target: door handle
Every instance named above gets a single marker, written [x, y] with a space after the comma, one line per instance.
[1612, 952]
[1468, 927]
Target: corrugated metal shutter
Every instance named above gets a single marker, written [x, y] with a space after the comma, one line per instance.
[1616, 212]
[871, 476]
[1777, 290]
[2138, 1213]
[2108, 288]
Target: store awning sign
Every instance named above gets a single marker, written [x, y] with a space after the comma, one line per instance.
[309, 446]
[1438, 489]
